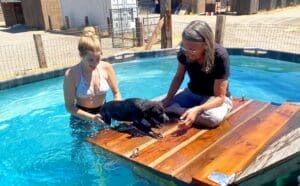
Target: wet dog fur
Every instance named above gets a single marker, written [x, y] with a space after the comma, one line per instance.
[144, 114]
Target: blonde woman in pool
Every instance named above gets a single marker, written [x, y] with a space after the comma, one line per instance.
[86, 84]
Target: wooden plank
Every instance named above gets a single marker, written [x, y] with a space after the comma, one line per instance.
[216, 149]
[181, 159]
[236, 151]
[166, 130]
[127, 146]
[238, 102]
[123, 143]
[104, 137]
[154, 151]
[174, 142]
[155, 34]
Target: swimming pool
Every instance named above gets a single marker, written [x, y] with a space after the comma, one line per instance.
[36, 145]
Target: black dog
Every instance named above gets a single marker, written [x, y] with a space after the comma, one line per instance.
[143, 113]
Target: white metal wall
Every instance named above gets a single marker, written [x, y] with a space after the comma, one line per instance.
[96, 10]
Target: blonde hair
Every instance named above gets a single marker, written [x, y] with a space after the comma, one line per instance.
[200, 31]
[89, 41]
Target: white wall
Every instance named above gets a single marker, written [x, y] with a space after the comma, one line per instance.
[96, 10]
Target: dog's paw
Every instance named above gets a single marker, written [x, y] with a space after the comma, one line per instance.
[158, 125]
[155, 135]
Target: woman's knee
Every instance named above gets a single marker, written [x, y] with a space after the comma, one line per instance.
[209, 121]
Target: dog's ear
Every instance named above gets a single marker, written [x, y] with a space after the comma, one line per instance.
[157, 107]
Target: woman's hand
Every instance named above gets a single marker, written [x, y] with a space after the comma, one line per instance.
[97, 118]
[189, 117]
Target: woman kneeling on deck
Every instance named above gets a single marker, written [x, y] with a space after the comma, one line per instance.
[206, 100]
[86, 84]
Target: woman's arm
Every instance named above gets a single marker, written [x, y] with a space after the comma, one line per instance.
[220, 88]
[69, 96]
[112, 81]
[176, 82]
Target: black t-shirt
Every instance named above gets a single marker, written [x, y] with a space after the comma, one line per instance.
[202, 83]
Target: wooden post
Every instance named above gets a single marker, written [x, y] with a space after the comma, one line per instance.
[166, 31]
[139, 32]
[109, 26]
[40, 50]
[86, 21]
[220, 29]
[154, 34]
[98, 32]
[67, 22]
[50, 23]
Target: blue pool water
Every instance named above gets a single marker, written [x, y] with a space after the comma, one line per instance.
[36, 143]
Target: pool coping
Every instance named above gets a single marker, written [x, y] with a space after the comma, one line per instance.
[127, 56]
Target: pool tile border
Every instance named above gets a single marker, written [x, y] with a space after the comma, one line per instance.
[127, 56]
[31, 78]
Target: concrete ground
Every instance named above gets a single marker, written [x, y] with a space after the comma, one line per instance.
[283, 16]
[20, 37]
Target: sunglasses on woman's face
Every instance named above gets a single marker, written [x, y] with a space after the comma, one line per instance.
[192, 51]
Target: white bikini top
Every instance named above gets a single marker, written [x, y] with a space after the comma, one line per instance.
[83, 89]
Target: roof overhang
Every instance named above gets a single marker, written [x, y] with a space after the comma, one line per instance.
[10, 1]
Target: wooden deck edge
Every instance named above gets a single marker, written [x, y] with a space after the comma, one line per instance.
[178, 170]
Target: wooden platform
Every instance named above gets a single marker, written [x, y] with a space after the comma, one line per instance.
[192, 156]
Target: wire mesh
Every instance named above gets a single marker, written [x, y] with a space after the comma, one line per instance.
[20, 57]
[265, 36]
[61, 52]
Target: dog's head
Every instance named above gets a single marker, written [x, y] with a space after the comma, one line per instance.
[155, 111]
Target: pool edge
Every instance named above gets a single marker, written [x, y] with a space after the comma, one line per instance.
[126, 56]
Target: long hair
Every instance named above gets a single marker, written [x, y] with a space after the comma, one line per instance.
[200, 31]
[89, 41]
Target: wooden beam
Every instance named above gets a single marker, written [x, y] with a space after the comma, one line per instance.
[155, 34]
[220, 29]
[166, 31]
[139, 32]
[40, 50]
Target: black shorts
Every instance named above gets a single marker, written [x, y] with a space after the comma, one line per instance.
[90, 110]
